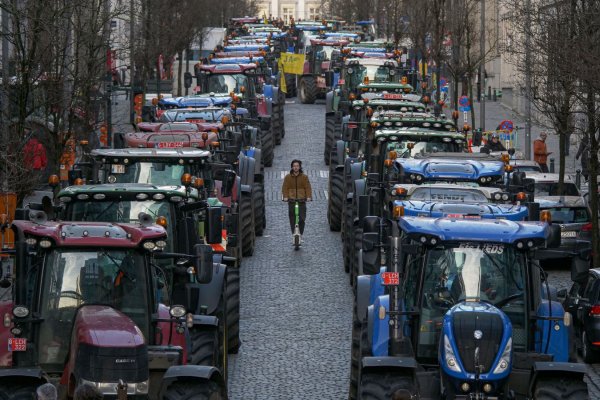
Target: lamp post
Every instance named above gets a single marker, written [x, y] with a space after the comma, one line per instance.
[482, 69]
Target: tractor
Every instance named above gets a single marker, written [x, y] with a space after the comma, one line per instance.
[462, 310]
[90, 302]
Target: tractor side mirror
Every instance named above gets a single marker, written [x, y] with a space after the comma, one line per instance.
[228, 182]
[329, 78]
[214, 225]
[561, 294]
[364, 206]
[187, 80]
[580, 266]
[518, 178]
[370, 240]
[511, 151]
[554, 240]
[203, 263]
[476, 140]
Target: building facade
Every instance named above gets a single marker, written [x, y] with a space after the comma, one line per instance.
[286, 9]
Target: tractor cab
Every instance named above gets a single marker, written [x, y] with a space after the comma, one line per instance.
[90, 305]
[468, 300]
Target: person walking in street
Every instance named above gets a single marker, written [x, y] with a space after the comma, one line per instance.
[87, 392]
[46, 392]
[584, 153]
[296, 186]
[540, 151]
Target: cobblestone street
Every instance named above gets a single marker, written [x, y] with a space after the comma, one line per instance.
[296, 306]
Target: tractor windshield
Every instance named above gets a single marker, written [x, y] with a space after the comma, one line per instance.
[156, 173]
[126, 211]
[408, 147]
[220, 83]
[74, 278]
[470, 272]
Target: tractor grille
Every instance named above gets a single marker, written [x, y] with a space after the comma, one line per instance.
[465, 324]
[109, 364]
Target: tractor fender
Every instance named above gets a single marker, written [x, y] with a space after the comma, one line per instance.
[246, 189]
[194, 372]
[329, 103]
[246, 169]
[356, 170]
[544, 369]
[370, 323]
[360, 187]
[363, 288]
[274, 95]
[257, 160]
[33, 373]
[349, 197]
[209, 293]
[268, 92]
[340, 149]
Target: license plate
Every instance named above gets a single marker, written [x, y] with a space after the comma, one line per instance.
[17, 344]
[390, 278]
[194, 120]
[320, 81]
[169, 145]
[568, 234]
[341, 82]
[392, 96]
[117, 169]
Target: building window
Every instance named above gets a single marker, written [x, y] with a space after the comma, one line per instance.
[288, 12]
[313, 13]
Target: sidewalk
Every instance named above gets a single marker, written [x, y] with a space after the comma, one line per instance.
[496, 112]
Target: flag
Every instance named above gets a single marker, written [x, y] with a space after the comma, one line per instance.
[292, 63]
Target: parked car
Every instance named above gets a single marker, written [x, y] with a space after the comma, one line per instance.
[583, 302]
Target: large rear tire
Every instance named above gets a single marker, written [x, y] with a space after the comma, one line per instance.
[247, 221]
[357, 233]
[355, 354]
[204, 346]
[258, 202]
[335, 203]
[276, 124]
[561, 388]
[290, 83]
[307, 89]
[347, 238]
[267, 146]
[383, 385]
[588, 353]
[193, 390]
[233, 310]
[329, 136]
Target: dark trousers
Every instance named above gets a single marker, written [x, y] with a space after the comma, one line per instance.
[292, 215]
[544, 167]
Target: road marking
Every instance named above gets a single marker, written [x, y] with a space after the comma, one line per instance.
[324, 174]
[326, 194]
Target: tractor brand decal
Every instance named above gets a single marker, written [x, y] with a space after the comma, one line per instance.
[477, 334]
[17, 344]
[462, 216]
[442, 196]
[117, 169]
[491, 248]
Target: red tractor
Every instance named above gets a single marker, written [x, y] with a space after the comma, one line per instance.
[91, 302]
[317, 78]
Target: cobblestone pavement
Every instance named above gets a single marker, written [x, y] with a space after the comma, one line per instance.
[296, 306]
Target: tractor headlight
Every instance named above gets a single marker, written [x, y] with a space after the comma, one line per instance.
[449, 356]
[20, 311]
[505, 358]
[177, 311]
[141, 387]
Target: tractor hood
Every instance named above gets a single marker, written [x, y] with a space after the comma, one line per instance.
[103, 326]
[463, 210]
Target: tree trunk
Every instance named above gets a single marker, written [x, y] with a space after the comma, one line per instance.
[593, 172]
[179, 72]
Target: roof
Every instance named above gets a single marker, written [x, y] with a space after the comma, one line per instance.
[227, 68]
[202, 100]
[450, 169]
[92, 233]
[414, 119]
[394, 133]
[497, 230]
[544, 177]
[459, 210]
[227, 61]
[560, 201]
[125, 191]
[137, 154]
[245, 47]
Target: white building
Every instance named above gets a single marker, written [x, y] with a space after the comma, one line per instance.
[286, 9]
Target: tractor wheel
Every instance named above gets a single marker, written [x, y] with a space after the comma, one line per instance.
[223, 338]
[204, 346]
[333, 159]
[307, 90]
[276, 123]
[355, 354]
[18, 391]
[290, 83]
[193, 390]
[347, 238]
[247, 221]
[383, 385]
[267, 146]
[589, 354]
[233, 310]
[282, 113]
[335, 203]
[329, 136]
[560, 388]
[258, 202]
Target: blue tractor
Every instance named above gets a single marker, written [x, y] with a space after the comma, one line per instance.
[463, 311]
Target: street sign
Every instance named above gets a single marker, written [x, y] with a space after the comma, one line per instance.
[464, 103]
[506, 125]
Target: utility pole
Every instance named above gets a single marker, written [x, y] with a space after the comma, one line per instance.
[4, 97]
[131, 60]
[482, 70]
[108, 83]
[527, 79]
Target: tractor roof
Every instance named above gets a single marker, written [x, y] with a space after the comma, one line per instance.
[133, 155]
[125, 191]
[386, 85]
[451, 169]
[462, 210]
[246, 47]
[461, 230]
[100, 234]
[328, 42]
[231, 68]
[425, 120]
[236, 60]
[394, 134]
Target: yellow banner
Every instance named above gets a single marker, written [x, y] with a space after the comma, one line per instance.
[282, 85]
[292, 63]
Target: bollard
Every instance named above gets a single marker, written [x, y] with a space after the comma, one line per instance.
[489, 95]
[551, 165]
[578, 178]
[495, 95]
